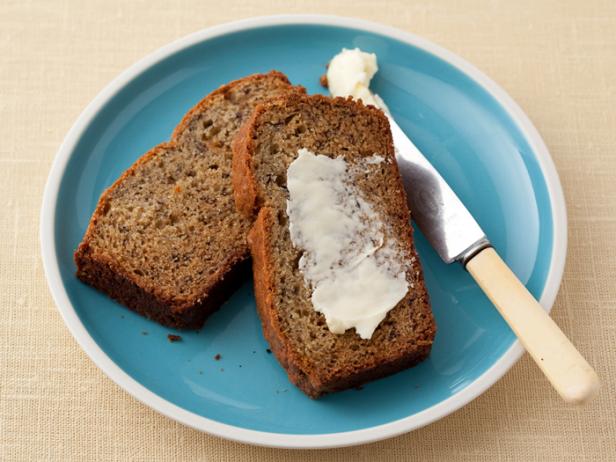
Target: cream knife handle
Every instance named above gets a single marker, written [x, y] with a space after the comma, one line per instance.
[572, 377]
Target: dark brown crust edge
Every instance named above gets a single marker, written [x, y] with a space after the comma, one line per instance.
[244, 184]
[263, 285]
[247, 200]
[104, 276]
[96, 271]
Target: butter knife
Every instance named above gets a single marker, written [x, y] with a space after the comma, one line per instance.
[457, 237]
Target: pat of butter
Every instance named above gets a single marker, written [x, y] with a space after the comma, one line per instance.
[354, 270]
[349, 74]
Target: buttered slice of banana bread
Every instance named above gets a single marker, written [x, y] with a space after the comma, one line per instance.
[165, 239]
[322, 312]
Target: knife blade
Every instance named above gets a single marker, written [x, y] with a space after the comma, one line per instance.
[440, 214]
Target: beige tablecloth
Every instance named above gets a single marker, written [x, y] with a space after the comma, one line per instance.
[557, 60]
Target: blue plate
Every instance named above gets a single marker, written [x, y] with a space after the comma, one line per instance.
[467, 127]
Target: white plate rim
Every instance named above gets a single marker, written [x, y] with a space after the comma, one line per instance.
[282, 440]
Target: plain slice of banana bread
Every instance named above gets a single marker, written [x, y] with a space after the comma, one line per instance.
[317, 360]
[165, 239]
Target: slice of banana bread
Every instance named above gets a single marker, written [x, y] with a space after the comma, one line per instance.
[165, 239]
[317, 360]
